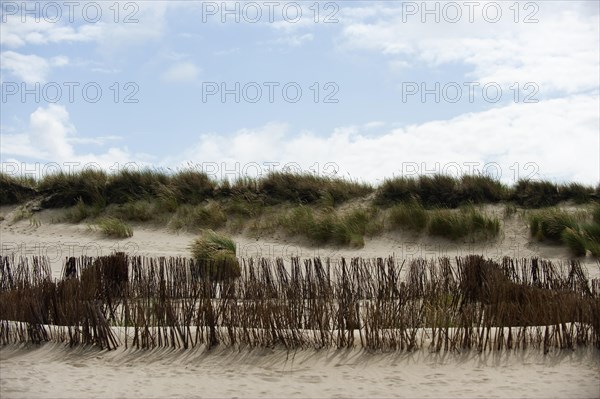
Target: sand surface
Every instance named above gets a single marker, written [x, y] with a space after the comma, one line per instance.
[60, 240]
[56, 371]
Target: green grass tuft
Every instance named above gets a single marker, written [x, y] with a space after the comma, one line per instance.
[442, 190]
[480, 189]
[63, 190]
[195, 217]
[215, 254]
[576, 192]
[410, 216]
[510, 210]
[192, 187]
[309, 188]
[80, 212]
[574, 240]
[127, 186]
[466, 222]
[15, 190]
[114, 227]
[536, 194]
[594, 248]
[548, 224]
[325, 226]
[596, 213]
[136, 211]
[579, 231]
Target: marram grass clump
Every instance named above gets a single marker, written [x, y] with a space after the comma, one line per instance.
[326, 226]
[575, 240]
[549, 224]
[467, 222]
[195, 217]
[579, 231]
[214, 254]
[409, 216]
[114, 227]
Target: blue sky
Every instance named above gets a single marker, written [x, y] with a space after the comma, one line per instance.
[360, 114]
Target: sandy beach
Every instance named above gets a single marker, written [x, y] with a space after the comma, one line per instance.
[60, 240]
[55, 370]
[320, 199]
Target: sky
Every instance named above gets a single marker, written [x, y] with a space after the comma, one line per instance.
[360, 90]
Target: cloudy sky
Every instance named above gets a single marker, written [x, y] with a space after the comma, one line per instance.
[364, 90]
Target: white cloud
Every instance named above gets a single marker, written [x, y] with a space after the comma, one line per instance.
[182, 72]
[101, 140]
[47, 136]
[560, 137]
[560, 52]
[145, 21]
[30, 68]
[49, 130]
[15, 33]
[50, 136]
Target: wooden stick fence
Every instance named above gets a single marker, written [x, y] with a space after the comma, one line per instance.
[377, 304]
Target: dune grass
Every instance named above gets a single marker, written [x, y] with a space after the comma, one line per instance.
[135, 211]
[215, 256]
[409, 216]
[193, 187]
[573, 239]
[451, 192]
[309, 189]
[306, 205]
[128, 186]
[196, 217]
[579, 231]
[441, 191]
[80, 212]
[537, 194]
[21, 213]
[549, 224]
[63, 190]
[467, 222]
[452, 224]
[16, 190]
[325, 226]
[114, 227]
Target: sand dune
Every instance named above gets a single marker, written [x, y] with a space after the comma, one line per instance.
[55, 370]
[58, 240]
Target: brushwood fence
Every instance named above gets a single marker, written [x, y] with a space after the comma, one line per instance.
[378, 304]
